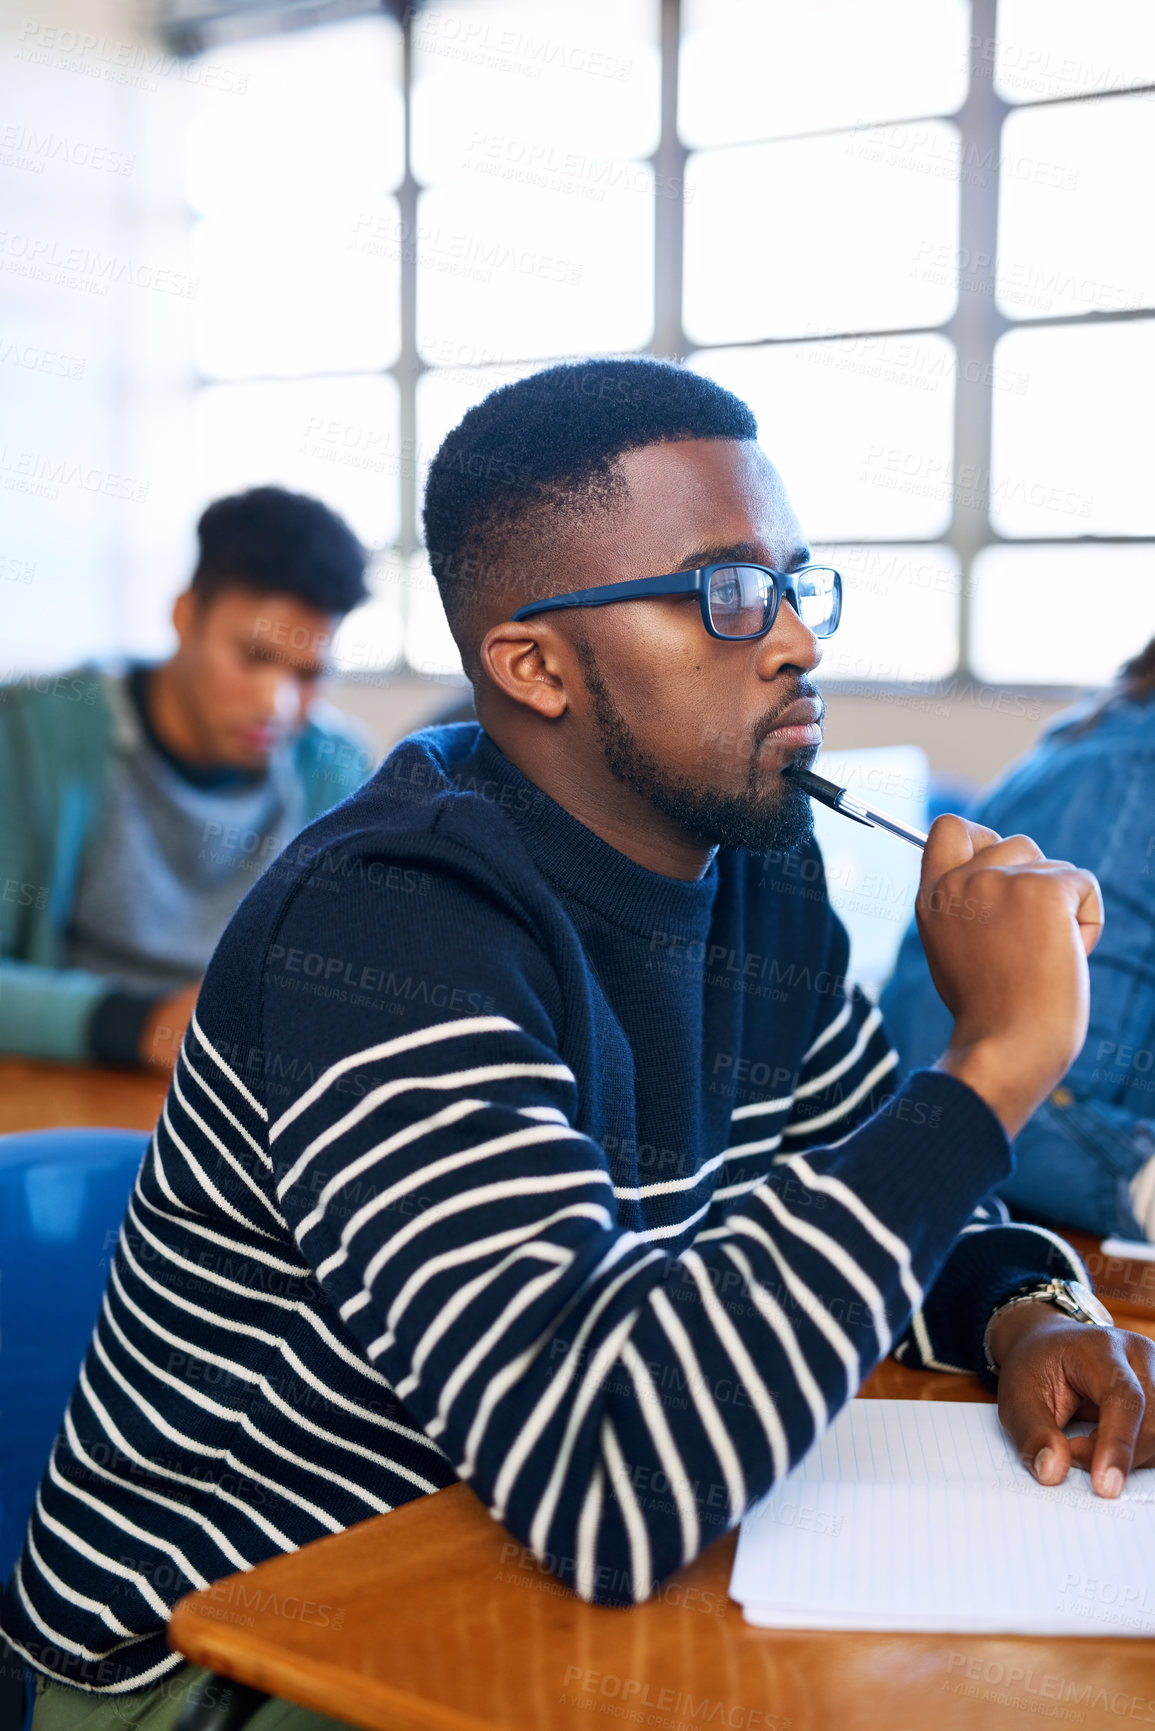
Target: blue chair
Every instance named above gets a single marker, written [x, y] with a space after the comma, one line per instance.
[62, 1197]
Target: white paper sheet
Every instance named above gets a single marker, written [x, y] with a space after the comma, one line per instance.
[918, 1515]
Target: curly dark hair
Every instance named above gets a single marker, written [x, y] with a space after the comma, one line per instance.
[280, 543]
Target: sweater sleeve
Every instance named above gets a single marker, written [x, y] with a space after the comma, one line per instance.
[851, 1070]
[606, 1401]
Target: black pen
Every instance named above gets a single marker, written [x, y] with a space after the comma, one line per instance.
[837, 798]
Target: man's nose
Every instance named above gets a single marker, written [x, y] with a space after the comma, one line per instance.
[790, 643]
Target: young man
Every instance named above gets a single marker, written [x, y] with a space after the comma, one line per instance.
[139, 809]
[527, 1130]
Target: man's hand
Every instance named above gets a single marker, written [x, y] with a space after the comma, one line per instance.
[164, 1028]
[1053, 1369]
[1007, 934]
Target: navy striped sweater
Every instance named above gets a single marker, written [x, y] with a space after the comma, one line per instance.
[493, 1155]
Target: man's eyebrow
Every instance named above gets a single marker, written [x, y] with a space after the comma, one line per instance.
[741, 550]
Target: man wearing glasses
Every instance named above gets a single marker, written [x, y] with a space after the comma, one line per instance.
[528, 1130]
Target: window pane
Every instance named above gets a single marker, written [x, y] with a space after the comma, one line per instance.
[526, 272]
[762, 68]
[292, 181]
[319, 294]
[860, 430]
[370, 641]
[899, 614]
[523, 80]
[1060, 615]
[320, 112]
[1075, 233]
[335, 438]
[822, 234]
[429, 646]
[1069, 48]
[1070, 454]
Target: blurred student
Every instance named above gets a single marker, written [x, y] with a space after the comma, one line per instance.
[139, 808]
[1086, 792]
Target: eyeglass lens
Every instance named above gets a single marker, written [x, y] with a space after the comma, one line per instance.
[742, 599]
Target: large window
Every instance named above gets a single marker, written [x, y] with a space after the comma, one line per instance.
[915, 242]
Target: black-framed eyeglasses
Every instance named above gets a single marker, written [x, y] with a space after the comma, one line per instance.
[738, 601]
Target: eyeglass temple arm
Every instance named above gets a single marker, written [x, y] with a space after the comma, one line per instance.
[677, 583]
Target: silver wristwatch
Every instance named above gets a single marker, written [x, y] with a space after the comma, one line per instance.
[1070, 1295]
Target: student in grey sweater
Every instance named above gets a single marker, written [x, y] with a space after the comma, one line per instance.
[139, 808]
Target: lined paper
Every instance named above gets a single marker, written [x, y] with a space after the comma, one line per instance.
[913, 1515]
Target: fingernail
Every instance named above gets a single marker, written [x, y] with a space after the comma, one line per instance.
[1044, 1460]
[1111, 1484]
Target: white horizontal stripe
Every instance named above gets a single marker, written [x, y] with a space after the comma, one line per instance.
[532, 1136]
[1074, 1261]
[203, 1274]
[698, 1386]
[391, 1049]
[641, 1566]
[891, 1242]
[809, 1125]
[780, 1325]
[121, 1522]
[137, 1681]
[486, 1343]
[588, 1390]
[262, 1154]
[816, 1084]
[186, 1304]
[414, 1084]
[510, 1373]
[828, 1033]
[650, 1234]
[806, 1299]
[851, 1271]
[299, 1270]
[468, 1295]
[226, 1153]
[727, 1191]
[732, 1343]
[472, 1252]
[743, 1150]
[381, 1150]
[58, 1638]
[208, 1046]
[64, 1591]
[555, 1390]
[761, 1106]
[161, 1424]
[673, 1466]
[589, 1524]
[535, 1184]
[667, 1186]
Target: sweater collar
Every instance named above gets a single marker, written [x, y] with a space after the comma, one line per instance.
[587, 869]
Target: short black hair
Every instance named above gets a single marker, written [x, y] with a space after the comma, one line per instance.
[543, 448]
[280, 543]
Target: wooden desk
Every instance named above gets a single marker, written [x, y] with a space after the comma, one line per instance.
[40, 1096]
[433, 1619]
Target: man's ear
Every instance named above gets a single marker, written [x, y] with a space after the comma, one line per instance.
[530, 664]
[186, 612]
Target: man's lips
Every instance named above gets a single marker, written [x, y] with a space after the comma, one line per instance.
[800, 724]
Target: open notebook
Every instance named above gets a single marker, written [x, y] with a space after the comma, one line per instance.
[919, 1515]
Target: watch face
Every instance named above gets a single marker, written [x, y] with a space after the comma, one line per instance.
[1088, 1302]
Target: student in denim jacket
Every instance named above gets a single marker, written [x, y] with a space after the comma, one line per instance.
[1085, 793]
